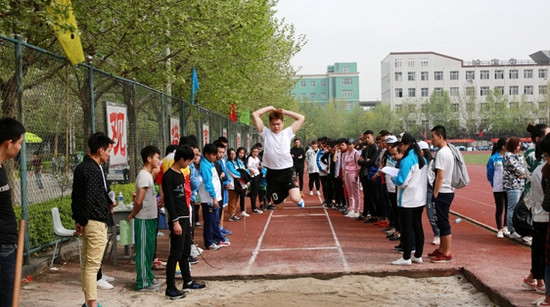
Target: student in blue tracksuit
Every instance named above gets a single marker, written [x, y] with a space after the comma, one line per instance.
[494, 175]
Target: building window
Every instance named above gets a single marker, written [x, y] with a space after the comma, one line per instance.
[543, 73]
[484, 91]
[323, 96]
[528, 90]
[424, 62]
[303, 95]
[470, 91]
[543, 89]
[312, 95]
[424, 75]
[455, 107]
[347, 81]
[350, 105]
[398, 92]
[484, 74]
[345, 69]
[528, 74]
[453, 91]
[412, 92]
[293, 95]
[499, 74]
[470, 75]
[397, 106]
[347, 94]
[397, 62]
[411, 62]
[438, 90]
[303, 83]
[424, 92]
[500, 89]
[411, 75]
[513, 73]
[312, 83]
[454, 75]
[438, 75]
[514, 90]
[324, 83]
[398, 76]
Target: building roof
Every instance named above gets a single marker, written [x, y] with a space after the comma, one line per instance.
[541, 57]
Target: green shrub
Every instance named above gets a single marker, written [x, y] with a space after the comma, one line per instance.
[40, 225]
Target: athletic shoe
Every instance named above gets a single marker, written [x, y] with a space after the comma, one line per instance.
[345, 211]
[351, 214]
[243, 213]
[527, 239]
[226, 232]
[436, 241]
[541, 303]
[301, 204]
[270, 207]
[442, 258]
[500, 234]
[310, 193]
[107, 278]
[434, 253]
[193, 285]
[318, 193]
[174, 294]
[402, 261]
[393, 237]
[234, 218]
[151, 288]
[383, 223]
[417, 260]
[257, 211]
[514, 236]
[193, 260]
[506, 231]
[214, 247]
[224, 243]
[104, 285]
[198, 225]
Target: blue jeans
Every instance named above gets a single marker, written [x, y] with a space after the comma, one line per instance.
[430, 210]
[513, 199]
[7, 273]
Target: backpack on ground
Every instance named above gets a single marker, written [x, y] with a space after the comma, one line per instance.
[523, 219]
[460, 176]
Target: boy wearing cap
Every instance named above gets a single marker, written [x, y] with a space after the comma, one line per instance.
[276, 158]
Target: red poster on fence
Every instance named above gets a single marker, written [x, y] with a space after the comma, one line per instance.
[205, 133]
[239, 139]
[117, 130]
[174, 130]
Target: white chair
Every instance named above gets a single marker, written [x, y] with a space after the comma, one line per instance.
[62, 233]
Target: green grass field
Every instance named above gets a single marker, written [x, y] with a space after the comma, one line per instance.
[476, 157]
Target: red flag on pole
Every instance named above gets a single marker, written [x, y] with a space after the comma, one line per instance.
[480, 134]
[233, 112]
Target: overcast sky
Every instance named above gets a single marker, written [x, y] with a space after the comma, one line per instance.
[366, 31]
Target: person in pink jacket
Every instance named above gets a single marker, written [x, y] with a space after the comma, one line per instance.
[350, 174]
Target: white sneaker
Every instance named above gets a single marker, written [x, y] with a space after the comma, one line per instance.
[318, 193]
[514, 236]
[416, 260]
[527, 239]
[310, 193]
[436, 241]
[505, 231]
[104, 285]
[402, 261]
[257, 211]
[500, 234]
[107, 278]
[243, 213]
[350, 214]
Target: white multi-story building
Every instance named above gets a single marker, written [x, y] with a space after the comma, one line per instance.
[413, 76]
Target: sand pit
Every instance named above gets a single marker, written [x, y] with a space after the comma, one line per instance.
[349, 290]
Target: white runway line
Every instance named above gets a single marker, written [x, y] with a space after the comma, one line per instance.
[257, 249]
[340, 251]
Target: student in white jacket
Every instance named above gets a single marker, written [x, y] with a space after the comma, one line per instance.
[411, 199]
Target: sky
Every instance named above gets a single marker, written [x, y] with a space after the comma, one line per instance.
[366, 31]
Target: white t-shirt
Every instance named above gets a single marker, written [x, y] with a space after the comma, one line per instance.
[444, 160]
[277, 148]
[144, 179]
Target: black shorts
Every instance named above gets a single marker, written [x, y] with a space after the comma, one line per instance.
[279, 182]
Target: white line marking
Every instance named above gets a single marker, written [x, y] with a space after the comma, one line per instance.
[298, 249]
[257, 249]
[340, 251]
[298, 215]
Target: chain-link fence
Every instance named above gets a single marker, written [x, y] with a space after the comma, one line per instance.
[62, 105]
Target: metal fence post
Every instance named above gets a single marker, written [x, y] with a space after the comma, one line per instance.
[92, 95]
[23, 151]
[182, 124]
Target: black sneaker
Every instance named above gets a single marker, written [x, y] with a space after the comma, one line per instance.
[345, 211]
[270, 207]
[193, 260]
[193, 285]
[174, 294]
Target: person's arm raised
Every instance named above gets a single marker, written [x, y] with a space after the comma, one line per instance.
[298, 119]
[257, 117]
